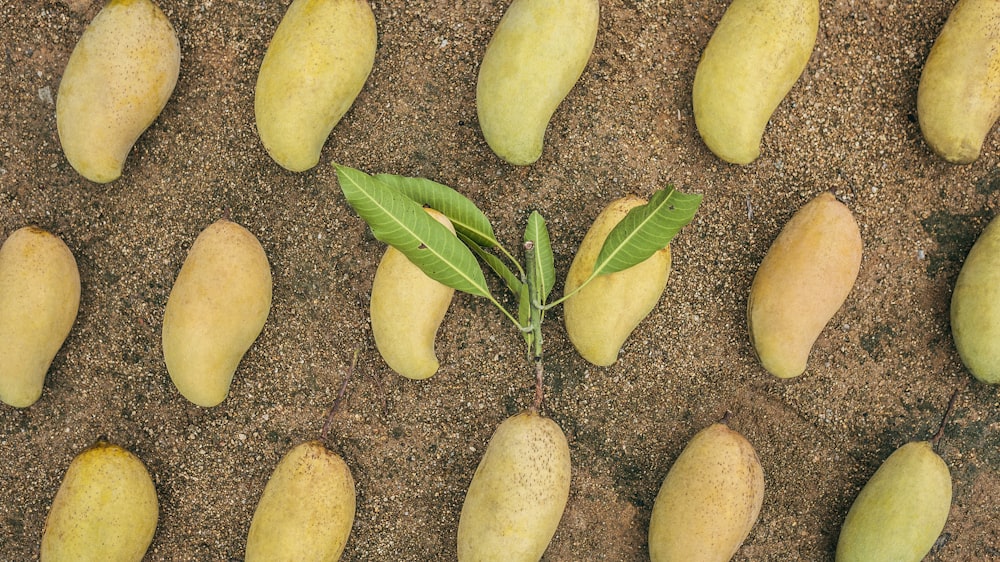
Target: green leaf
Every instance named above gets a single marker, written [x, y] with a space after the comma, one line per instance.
[496, 264]
[543, 265]
[459, 209]
[402, 223]
[646, 229]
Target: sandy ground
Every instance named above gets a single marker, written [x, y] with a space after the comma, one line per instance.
[880, 374]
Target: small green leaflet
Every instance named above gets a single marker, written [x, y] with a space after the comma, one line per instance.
[402, 223]
[543, 265]
[646, 229]
[463, 213]
[495, 263]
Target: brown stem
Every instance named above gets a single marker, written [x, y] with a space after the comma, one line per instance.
[726, 417]
[944, 419]
[339, 399]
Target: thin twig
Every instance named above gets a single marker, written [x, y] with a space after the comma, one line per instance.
[340, 397]
[944, 419]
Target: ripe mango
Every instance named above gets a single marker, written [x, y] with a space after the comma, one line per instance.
[601, 316]
[802, 282]
[39, 301]
[316, 65]
[407, 308]
[754, 57]
[536, 55]
[958, 100]
[901, 511]
[709, 500]
[216, 309]
[105, 509]
[117, 81]
[975, 307]
[518, 493]
[307, 508]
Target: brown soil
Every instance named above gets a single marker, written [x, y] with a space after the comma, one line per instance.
[880, 375]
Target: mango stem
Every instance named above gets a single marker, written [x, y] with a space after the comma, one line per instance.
[340, 397]
[944, 419]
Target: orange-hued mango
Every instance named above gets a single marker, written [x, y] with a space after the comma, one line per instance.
[39, 301]
[307, 509]
[518, 494]
[802, 282]
[709, 500]
[117, 81]
[600, 317]
[958, 100]
[407, 308]
[216, 309]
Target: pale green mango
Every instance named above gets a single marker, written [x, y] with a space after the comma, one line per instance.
[407, 308]
[709, 500]
[536, 55]
[307, 509]
[755, 56]
[313, 70]
[117, 81]
[105, 510]
[600, 317]
[975, 307]
[901, 511]
[39, 301]
[958, 100]
[216, 309]
[518, 494]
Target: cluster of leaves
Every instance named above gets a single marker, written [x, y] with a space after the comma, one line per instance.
[393, 207]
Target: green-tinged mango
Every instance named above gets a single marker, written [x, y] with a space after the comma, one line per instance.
[307, 509]
[709, 501]
[975, 307]
[802, 282]
[536, 55]
[216, 309]
[117, 81]
[754, 57]
[39, 301]
[316, 65]
[900, 512]
[105, 510]
[518, 493]
[600, 317]
[407, 308]
[958, 100]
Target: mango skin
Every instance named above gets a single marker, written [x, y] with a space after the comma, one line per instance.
[407, 308]
[39, 301]
[307, 509]
[958, 99]
[315, 67]
[518, 494]
[754, 57]
[117, 81]
[216, 309]
[533, 60]
[709, 500]
[601, 316]
[802, 282]
[901, 511]
[975, 307]
[105, 510]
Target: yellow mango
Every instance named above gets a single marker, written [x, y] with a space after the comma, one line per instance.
[536, 55]
[901, 511]
[407, 308]
[39, 301]
[518, 493]
[216, 309]
[105, 510]
[317, 62]
[117, 81]
[709, 500]
[754, 57]
[802, 282]
[975, 307]
[601, 316]
[307, 509]
[958, 100]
